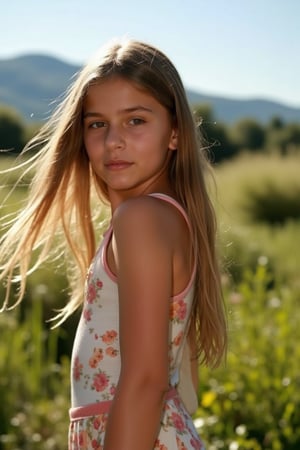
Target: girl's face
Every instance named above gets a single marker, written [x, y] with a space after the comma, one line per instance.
[129, 137]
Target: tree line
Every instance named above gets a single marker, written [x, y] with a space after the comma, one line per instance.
[226, 141]
[223, 141]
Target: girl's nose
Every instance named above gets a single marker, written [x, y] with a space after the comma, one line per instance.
[114, 138]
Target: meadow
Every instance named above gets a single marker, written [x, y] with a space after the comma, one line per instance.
[252, 401]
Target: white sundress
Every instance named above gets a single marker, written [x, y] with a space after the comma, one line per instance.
[95, 365]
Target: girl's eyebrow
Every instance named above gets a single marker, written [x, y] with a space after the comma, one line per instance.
[125, 110]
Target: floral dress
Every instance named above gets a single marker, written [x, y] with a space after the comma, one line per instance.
[96, 361]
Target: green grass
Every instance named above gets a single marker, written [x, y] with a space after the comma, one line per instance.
[236, 178]
[34, 388]
[244, 241]
[254, 402]
[251, 403]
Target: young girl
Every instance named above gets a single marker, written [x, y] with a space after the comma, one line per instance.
[152, 295]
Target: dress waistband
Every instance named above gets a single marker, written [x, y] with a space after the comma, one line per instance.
[94, 409]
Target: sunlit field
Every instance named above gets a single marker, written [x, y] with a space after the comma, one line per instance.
[252, 402]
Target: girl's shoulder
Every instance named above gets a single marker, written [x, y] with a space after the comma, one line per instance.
[148, 211]
[150, 229]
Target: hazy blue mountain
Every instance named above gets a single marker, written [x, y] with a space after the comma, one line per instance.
[33, 84]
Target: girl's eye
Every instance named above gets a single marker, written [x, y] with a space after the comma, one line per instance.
[136, 121]
[96, 125]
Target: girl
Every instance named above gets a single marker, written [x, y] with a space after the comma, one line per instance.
[152, 293]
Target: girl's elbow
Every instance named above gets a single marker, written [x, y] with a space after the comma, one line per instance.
[152, 389]
[149, 383]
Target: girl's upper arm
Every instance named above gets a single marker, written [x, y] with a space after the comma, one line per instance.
[143, 256]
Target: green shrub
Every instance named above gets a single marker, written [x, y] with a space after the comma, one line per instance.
[269, 179]
[271, 203]
[243, 240]
[254, 402]
[34, 388]
[243, 246]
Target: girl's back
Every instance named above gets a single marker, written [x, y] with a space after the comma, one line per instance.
[96, 361]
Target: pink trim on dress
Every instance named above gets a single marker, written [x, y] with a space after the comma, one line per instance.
[107, 238]
[95, 409]
[108, 234]
[177, 205]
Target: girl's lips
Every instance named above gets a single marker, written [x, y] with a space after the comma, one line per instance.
[118, 165]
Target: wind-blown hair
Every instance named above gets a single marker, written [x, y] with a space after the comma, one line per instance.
[61, 191]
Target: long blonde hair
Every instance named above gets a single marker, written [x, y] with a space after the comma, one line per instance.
[60, 193]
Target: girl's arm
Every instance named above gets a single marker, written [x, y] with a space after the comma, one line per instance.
[143, 256]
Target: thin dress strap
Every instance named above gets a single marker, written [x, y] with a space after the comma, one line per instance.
[175, 203]
[181, 376]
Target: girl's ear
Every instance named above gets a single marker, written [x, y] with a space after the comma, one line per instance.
[173, 144]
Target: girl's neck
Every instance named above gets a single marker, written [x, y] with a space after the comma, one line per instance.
[118, 197]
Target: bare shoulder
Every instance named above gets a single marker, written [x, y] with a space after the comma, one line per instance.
[140, 239]
[144, 210]
[144, 214]
[146, 230]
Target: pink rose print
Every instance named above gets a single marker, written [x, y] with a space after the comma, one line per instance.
[96, 423]
[177, 421]
[96, 358]
[110, 351]
[91, 293]
[109, 337]
[100, 382]
[177, 402]
[180, 444]
[178, 310]
[77, 369]
[96, 445]
[87, 314]
[93, 363]
[83, 439]
[112, 390]
[178, 338]
[196, 444]
[92, 289]
[99, 284]
[159, 446]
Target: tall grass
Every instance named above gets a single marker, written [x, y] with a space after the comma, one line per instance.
[34, 388]
[243, 186]
[253, 172]
[254, 402]
[251, 403]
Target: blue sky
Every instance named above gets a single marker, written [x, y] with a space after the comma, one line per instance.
[231, 48]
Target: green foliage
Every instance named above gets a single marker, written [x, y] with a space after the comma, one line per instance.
[33, 387]
[272, 203]
[223, 141]
[242, 239]
[285, 138]
[254, 402]
[215, 134]
[251, 180]
[251, 403]
[12, 130]
[248, 134]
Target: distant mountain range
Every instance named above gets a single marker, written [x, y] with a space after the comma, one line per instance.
[33, 84]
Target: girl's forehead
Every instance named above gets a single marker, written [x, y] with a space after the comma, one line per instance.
[117, 81]
[117, 90]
